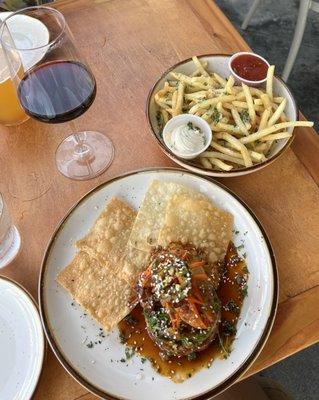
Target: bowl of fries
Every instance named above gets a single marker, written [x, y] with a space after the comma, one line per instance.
[251, 126]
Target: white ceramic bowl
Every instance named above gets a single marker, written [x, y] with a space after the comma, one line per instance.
[238, 78]
[181, 120]
[218, 63]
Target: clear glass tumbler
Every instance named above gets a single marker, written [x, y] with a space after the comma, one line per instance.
[10, 240]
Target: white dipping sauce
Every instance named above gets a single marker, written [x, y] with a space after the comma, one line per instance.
[187, 139]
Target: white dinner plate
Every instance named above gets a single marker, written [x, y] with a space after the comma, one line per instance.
[28, 33]
[21, 342]
[69, 329]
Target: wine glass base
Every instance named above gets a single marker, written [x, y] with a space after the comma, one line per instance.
[99, 156]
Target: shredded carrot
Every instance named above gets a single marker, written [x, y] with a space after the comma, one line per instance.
[201, 276]
[200, 322]
[196, 264]
[197, 293]
[195, 300]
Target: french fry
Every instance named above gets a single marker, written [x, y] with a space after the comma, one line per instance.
[221, 127]
[211, 102]
[256, 156]
[277, 99]
[179, 99]
[174, 101]
[197, 71]
[250, 103]
[220, 80]
[221, 109]
[277, 127]
[258, 102]
[276, 136]
[220, 164]
[225, 157]
[188, 80]
[229, 85]
[266, 101]
[276, 115]
[238, 146]
[269, 82]
[165, 116]
[199, 66]
[264, 119]
[205, 163]
[239, 122]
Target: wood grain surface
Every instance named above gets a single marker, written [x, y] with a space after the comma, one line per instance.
[128, 45]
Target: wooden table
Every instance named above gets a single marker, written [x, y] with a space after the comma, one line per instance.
[128, 44]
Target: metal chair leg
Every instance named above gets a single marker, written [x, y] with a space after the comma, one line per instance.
[296, 41]
[250, 14]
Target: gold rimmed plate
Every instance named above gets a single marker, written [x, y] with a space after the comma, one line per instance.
[95, 360]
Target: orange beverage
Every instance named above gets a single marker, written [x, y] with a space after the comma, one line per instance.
[11, 112]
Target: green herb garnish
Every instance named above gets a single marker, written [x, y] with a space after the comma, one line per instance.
[244, 291]
[192, 356]
[228, 328]
[216, 115]
[129, 352]
[244, 116]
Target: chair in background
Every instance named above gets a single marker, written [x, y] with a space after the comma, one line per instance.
[304, 7]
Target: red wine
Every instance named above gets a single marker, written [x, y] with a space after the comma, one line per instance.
[57, 91]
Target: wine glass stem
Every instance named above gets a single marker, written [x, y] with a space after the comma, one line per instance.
[82, 151]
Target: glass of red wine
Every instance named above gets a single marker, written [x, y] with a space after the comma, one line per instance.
[54, 84]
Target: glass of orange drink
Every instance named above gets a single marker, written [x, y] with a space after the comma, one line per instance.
[11, 112]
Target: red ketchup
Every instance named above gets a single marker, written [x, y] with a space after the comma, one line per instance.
[250, 67]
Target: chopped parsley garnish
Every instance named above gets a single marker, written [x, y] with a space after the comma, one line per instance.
[232, 307]
[224, 345]
[192, 356]
[123, 339]
[129, 352]
[190, 125]
[240, 279]
[244, 116]
[216, 115]
[90, 345]
[244, 291]
[228, 328]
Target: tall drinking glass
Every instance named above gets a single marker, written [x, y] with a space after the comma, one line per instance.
[11, 112]
[57, 86]
[10, 240]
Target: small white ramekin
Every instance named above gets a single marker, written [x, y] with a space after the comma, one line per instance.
[184, 119]
[238, 78]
